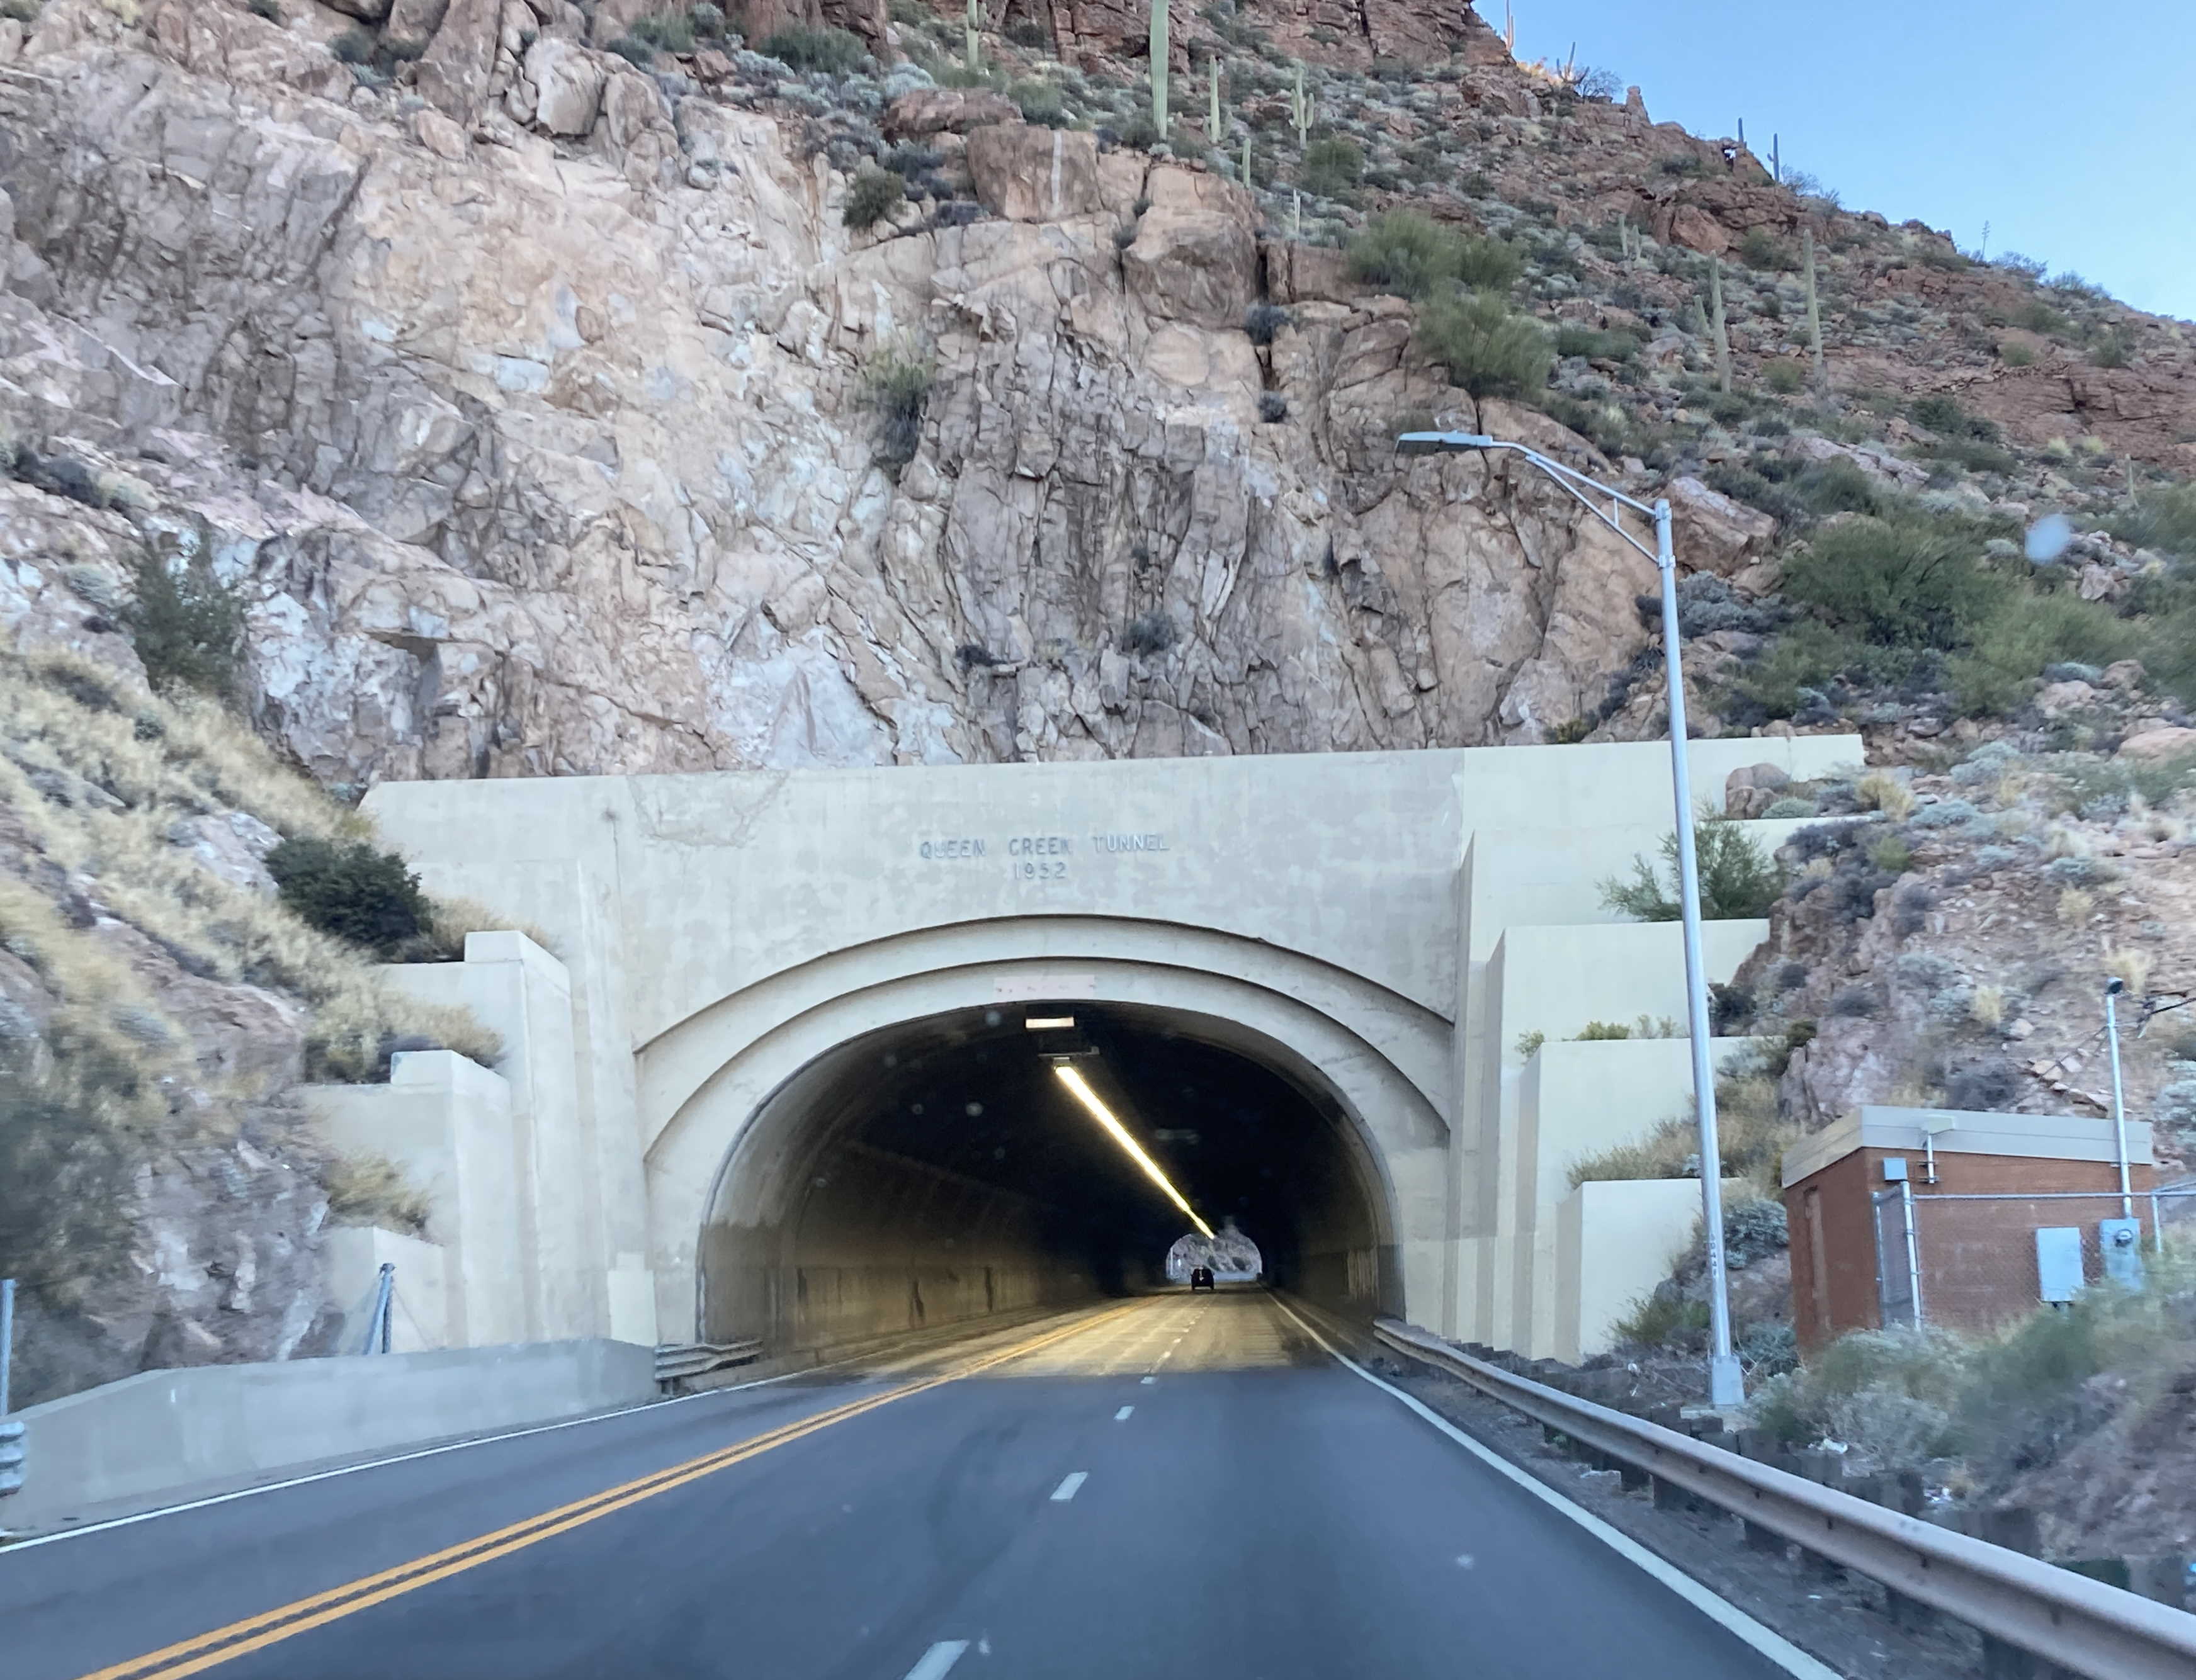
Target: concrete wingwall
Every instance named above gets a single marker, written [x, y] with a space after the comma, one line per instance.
[1383, 928]
[125, 1445]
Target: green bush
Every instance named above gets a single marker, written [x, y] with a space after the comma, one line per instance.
[1663, 1319]
[1943, 415]
[1487, 350]
[1041, 103]
[1413, 255]
[1761, 249]
[2161, 519]
[1785, 377]
[353, 46]
[835, 52]
[353, 891]
[1903, 582]
[634, 51]
[873, 195]
[672, 31]
[2026, 633]
[2015, 354]
[1331, 166]
[1739, 880]
[1573, 339]
[897, 388]
[187, 627]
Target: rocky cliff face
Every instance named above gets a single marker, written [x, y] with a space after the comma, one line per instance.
[544, 457]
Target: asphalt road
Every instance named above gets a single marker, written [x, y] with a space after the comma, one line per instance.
[1183, 1486]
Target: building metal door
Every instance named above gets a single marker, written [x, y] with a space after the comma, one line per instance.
[1898, 1280]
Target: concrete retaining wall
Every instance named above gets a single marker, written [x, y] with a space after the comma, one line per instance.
[139, 1442]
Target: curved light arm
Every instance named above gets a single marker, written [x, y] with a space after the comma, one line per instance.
[1570, 478]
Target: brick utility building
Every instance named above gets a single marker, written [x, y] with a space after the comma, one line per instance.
[1908, 1215]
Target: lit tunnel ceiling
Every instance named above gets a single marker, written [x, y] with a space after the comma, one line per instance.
[941, 1169]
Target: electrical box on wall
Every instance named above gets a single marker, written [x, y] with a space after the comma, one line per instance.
[1894, 1170]
[2120, 1240]
[2059, 1262]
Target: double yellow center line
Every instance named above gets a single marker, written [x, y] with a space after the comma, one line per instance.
[254, 1633]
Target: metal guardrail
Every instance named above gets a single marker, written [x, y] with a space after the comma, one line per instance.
[678, 1359]
[2080, 1623]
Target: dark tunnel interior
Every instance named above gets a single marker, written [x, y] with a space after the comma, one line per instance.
[939, 1172]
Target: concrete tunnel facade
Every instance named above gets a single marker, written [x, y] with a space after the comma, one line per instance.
[1310, 974]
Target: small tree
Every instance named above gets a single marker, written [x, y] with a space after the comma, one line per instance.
[188, 627]
[1739, 880]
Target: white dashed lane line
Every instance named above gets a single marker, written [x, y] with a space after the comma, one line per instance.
[1065, 1491]
[1122, 1416]
[937, 1660]
[1151, 1379]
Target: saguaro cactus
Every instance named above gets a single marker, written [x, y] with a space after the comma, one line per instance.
[973, 21]
[1159, 66]
[1300, 107]
[1717, 323]
[1212, 100]
[1247, 158]
[1814, 313]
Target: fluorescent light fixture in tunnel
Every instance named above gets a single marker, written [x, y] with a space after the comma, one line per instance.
[1048, 1023]
[1104, 1116]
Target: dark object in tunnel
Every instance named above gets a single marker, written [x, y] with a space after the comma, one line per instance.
[1200, 1277]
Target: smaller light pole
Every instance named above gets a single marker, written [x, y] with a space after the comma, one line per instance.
[2113, 987]
[1726, 1382]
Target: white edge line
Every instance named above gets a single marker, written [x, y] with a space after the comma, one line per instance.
[1122, 1416]
[938, 1660]
[1069, 1485]
[1719, 1610]
[7, 1548]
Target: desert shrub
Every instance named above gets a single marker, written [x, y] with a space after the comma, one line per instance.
[874, 195]
[187, 625]
[633, 51]
[708, 20]
[1662, 1319]
[2025, 632]
[1768, 1349]
[835, 52]
[896, 385]
[1040, 102]
[1151, 632]
[1761, 249]
[1487, 350]
[1331, 166]
[1572, 339]
[2176, 1107]
[1413, 255]
[2111, 350]
[353, 46]
[1784, 377]
[1263, 323]
[1789, 807]
[1905, 583]
[1272, 407]
[1738, 879]
[673, 31]
[268, 9]
[1890, 1393]
[2015, 354]
[353, 891]
[2162, 519]
[370, 1190]
[1943, 414]
[1989, 1085]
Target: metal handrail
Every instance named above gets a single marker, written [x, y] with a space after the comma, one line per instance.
[2080, 1623]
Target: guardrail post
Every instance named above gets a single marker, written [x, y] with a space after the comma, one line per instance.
[1630, 1477]
[1758, 1539]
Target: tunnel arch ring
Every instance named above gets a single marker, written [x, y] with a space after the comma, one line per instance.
[1393, 1122]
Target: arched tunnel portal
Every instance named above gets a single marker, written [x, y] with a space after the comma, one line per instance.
[939, 1170]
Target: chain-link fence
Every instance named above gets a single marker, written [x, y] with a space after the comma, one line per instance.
[1974, 1262]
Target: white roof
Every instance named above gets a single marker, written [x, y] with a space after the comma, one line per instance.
[2052, 1137]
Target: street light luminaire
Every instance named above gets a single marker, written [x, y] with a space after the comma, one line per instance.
[1726, 1382]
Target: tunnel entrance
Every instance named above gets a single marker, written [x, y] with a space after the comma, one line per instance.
[939, 1171]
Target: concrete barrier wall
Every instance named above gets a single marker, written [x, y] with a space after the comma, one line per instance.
[139, 1442]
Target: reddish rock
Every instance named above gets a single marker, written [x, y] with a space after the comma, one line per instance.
[1031, 174]
[929, 110]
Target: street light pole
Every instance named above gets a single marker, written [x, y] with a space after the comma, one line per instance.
[2112, 989]
[1726, 1382]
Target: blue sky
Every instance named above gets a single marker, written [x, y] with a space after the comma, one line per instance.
[2070, 128]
